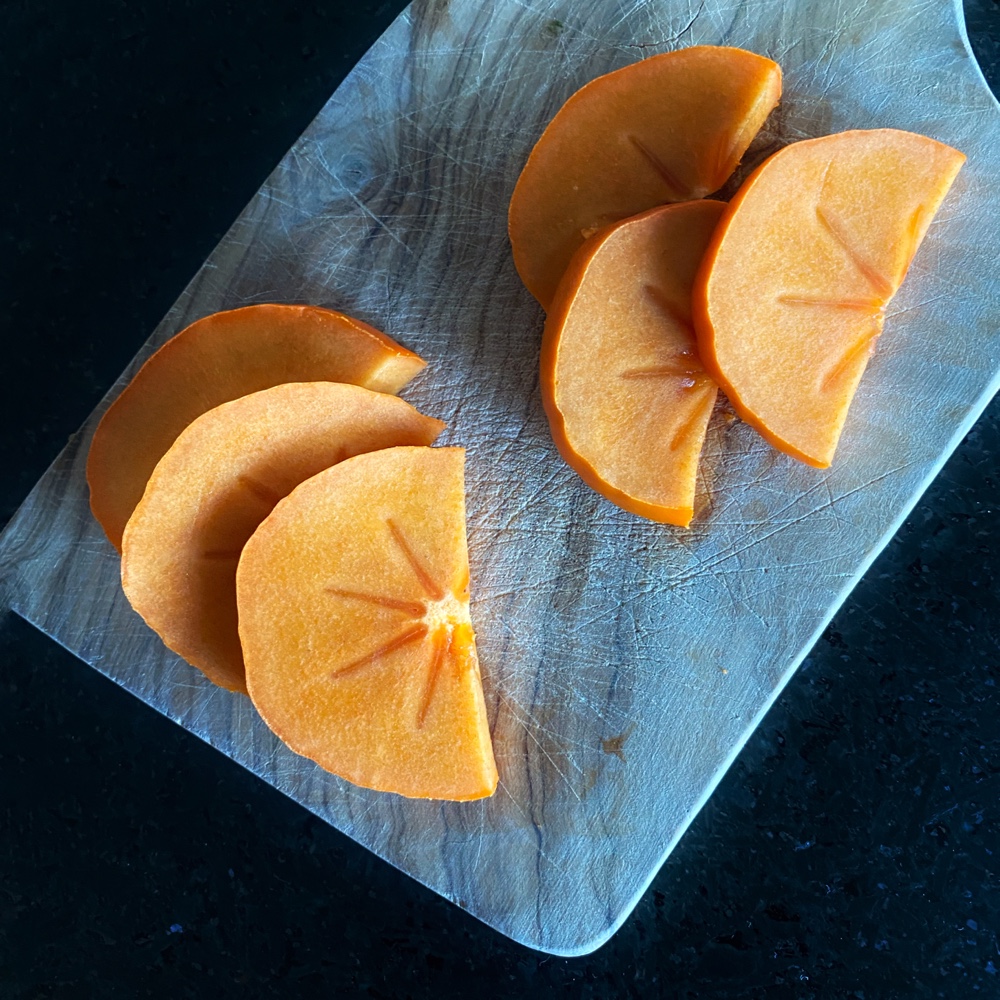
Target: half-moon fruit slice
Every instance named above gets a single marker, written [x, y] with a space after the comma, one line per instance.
[670, 128]
[627, 398]
[791, 295]
[218, 481]
[219, 358]
[354, 615]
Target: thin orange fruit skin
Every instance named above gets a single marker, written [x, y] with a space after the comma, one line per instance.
[670, 128]
[865, 274]
[354, 617]
[642, 269]
[219, 358]
[218, 481]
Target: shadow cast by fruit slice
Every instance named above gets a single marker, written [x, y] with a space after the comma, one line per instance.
[218, 481]
[354, 616]
[791, 296]
[668, 129]
[217, 359]
[626, 395]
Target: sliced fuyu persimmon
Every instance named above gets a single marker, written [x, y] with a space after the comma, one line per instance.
[791, 294]
[627, 398]
[354, 617]
[670, 128]
[219, 358]
[218, 481]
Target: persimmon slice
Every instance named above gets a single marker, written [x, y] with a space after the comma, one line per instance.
[218, 481]
[219, 358]
[627, 398]
[354, 616]
[791, 295]
[670, 128]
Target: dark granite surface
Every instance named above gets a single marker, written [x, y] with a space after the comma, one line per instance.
[852, 851]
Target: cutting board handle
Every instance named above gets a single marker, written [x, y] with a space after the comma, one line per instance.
[963, 34]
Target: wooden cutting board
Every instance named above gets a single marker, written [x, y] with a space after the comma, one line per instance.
[625, 662]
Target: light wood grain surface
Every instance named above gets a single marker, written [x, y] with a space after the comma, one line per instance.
[625, 662]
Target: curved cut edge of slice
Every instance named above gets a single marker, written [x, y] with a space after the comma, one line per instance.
[354, 617]
[669, 128]
[217, 359]
[627, 398]
[790, 299]
[217, 482]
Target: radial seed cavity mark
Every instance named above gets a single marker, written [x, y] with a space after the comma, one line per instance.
[862, 305]
[915, 230]
[668, 308]
[863, 345]
[260, 490]
[835, 227]
[433, 591]
[412, 608]
[679, 190]
[726, 157]
[682, 432]
[690, 376]
[443, 640]
[414, 633]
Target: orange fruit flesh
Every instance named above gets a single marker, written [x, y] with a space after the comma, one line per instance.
[218, 481]
[216, 359]
[791, 295]
[670, 128]
[354, 617]
[627, 398]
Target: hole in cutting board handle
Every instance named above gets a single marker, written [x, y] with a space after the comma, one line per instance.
[982, 30]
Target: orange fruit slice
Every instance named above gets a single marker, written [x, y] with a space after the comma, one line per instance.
[218, 481]
[354, 615]
[217, 359]
[791, 295]
[627, 398]
[670, 128]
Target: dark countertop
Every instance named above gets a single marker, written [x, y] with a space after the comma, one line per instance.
[852, 851]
